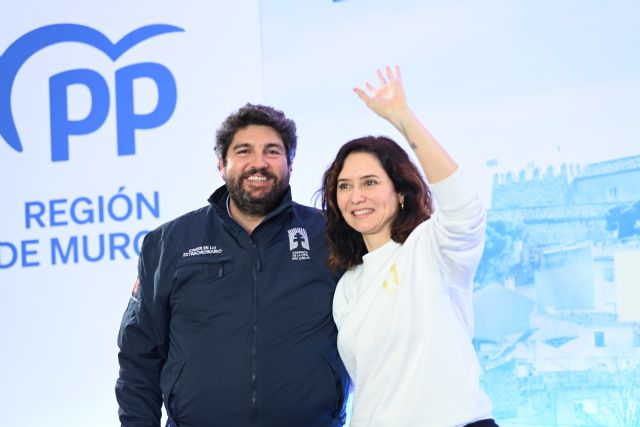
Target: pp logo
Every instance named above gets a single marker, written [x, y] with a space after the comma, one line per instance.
[62, 127]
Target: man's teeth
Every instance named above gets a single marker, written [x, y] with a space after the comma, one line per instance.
[257, 178]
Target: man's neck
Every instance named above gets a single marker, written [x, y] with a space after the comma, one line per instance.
[248, 222]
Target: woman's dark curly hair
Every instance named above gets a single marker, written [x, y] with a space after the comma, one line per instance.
[346, 245]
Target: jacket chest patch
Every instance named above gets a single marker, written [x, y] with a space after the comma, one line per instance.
[202, 250]
[299, 244]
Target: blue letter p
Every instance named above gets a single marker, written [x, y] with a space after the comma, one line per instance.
[128, 121]
[61, 126]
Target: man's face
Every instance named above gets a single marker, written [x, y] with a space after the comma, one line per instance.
[257, 172]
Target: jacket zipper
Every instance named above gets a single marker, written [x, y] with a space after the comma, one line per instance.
[254, 341]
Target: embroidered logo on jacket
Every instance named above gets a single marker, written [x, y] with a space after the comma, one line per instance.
[202, 250]
[299, 244]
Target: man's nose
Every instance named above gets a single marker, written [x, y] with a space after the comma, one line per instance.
[259, 161]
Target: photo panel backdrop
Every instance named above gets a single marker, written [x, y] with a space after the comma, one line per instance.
[107, 119]
[537, 102]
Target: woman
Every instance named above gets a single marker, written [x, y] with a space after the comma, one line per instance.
[403, 307]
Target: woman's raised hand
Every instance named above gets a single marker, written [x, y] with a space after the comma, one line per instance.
[387, 100]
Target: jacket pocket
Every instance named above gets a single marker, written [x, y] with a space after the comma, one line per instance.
[171, 389]
[201, 271]
[215, 265]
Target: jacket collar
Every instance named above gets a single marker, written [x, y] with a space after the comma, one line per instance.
[219, 201]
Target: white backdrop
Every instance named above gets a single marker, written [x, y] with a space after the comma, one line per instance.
[59, 322]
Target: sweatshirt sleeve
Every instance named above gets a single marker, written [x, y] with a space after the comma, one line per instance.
[142, 340]
[456, 230]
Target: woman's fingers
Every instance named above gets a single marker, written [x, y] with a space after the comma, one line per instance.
[370, 88]
[363, 96]
[381, 79]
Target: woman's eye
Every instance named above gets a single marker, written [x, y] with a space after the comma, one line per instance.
[370, 182]
[343, 186]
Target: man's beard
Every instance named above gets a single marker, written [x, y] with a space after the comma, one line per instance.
[256, 206]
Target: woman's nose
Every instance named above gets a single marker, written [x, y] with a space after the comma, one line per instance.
[357, 196]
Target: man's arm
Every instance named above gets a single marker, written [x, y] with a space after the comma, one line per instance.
[143, 345]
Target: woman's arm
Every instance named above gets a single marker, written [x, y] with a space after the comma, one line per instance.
[389, 102]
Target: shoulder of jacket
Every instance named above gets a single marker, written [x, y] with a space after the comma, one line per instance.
[308, 211]
[186, 220]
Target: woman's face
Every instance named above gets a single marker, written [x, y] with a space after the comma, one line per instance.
[367, 199]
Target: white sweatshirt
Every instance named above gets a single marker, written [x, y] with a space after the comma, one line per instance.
[405, 321]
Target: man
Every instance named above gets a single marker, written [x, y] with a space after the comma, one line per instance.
[230, 319]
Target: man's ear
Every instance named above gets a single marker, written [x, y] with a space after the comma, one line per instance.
[221, 167]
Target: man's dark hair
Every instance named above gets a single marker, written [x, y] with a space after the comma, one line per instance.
[346, 245]
[260, 115]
